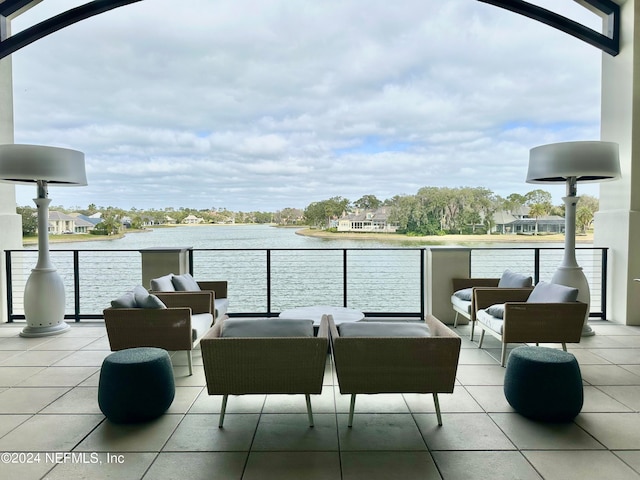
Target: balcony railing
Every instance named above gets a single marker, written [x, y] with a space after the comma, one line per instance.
[263, 282]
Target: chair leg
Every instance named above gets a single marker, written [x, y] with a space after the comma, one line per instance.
[223, 410]
[455, 321]
[190, 360]
[564, 346]
[437, 404]
[503, 356]
[309, 412]
[481, 339]
[473, 326]
[351, 409]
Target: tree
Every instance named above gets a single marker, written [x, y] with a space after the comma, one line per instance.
[367, 202]
[538, 196]
[538, 210]
[587, 207]
[320, 214]
[29, 220]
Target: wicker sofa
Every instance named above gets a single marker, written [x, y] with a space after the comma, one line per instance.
[546, 314]
[265, 361]
[402, 363]
[180, 326]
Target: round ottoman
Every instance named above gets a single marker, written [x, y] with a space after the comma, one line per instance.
[544, 384]
[136, 385]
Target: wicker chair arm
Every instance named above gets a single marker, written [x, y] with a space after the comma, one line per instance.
[198, 302]
[168, 328]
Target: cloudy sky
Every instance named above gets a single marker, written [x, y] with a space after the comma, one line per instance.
[267, 104]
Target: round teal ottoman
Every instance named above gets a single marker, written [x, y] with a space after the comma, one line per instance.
[544, 384]
[136, 385]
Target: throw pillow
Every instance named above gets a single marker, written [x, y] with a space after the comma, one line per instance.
[128, 300]
[511, 279]
[464, 294]
[163, 284]
[145, 300]
[496, 310]
[185, 283]
[552, 293]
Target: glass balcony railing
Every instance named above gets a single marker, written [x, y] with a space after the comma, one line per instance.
[262, 282]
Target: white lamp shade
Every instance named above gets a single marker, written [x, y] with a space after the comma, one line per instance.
[28, 164]
[590, 161]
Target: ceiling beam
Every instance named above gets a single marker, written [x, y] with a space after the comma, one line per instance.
[608, 42]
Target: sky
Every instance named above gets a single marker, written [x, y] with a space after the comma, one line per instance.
[260, 105]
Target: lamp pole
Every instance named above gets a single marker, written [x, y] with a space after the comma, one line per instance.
[569, 273]
[44, 298]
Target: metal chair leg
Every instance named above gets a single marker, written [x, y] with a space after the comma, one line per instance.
[564, 346]
[190, 360]
[473, 326]
[351, 409]
[481, 339]
[455, 321]
[438, 414]
[309, 412]
[223, 409]
[503, 356]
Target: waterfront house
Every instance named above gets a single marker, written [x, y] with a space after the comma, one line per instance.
[367, 221]
[61, 223]
[192, 220]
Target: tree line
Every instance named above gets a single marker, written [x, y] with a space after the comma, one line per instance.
[440, 210]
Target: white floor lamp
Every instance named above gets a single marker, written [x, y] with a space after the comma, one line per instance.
[570, 163]
[44, 299]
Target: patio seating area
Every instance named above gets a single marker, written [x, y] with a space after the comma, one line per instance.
[49, 407]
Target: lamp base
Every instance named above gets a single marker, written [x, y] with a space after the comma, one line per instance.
[44, 304]
[29, 331]
[574, 277]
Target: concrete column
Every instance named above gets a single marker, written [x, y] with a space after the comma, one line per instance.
[10, 221]
[617, 224]
[157, 262]
[443, 265]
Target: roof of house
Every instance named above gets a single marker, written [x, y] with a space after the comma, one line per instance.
[380, 214]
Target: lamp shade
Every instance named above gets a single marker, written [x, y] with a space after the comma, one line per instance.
[28, 164]
[589, 161]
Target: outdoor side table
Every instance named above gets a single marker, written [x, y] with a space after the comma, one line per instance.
[136, 385]
[544, 384]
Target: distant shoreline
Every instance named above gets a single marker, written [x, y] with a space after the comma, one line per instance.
[443, 239]
[448, 239]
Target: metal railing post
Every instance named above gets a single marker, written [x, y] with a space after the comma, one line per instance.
[76, 284]
[344, 277]
[268, 252]
[7, 258]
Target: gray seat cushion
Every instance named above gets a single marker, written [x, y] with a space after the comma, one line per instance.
[200, 324]
[464, 305]
[490, 321]
[266, 328]
[383, 329]
[222, 305]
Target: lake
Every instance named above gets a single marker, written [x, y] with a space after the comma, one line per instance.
[303, 270]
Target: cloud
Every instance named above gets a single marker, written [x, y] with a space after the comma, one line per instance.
[266, 105]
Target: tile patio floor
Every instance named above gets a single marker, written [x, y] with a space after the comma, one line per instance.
[48, 405]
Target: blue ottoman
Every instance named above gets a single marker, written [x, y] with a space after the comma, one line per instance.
[544, 384]
[136, 385]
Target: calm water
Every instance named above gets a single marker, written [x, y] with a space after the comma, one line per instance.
[387, 280]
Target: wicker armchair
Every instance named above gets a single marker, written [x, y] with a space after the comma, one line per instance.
[397, 364]
[524, 322]
[217, 288]
[264, 365]
[466, 306]
[178, 327]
